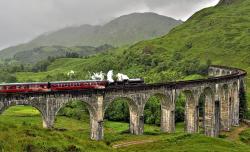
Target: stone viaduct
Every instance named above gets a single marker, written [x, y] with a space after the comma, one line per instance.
[219, 93]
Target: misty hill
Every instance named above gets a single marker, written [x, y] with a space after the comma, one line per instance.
[121, 31]
[42, 53]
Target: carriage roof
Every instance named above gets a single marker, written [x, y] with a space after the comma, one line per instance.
[42, 83]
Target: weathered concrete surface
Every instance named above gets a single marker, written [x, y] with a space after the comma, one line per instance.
[221, 103]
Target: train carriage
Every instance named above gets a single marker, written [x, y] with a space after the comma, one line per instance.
[78, 85]
[62, 85]
[24, 87]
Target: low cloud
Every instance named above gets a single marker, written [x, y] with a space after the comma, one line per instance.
[22, 20]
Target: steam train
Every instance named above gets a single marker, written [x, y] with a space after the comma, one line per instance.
[62, 85]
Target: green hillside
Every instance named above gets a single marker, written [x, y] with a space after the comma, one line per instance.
[120, 31]
[220, 34]
[42, 53]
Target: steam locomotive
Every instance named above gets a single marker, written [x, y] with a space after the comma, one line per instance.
[62, 85]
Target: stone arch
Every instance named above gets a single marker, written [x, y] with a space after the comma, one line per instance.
[62, 102]
[234, 96]
[136, 125]
[211, 124]
[243, 99]
[225, 109]
[224, 72]
[217, 72]
[167, 111]
[5, 105]
[201, 112]
[191, 112]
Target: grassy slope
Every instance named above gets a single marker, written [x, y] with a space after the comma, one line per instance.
[220, 34]
[22, 126]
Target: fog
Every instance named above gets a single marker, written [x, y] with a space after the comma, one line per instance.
[22, 20]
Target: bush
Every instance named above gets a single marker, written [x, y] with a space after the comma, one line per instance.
[75, 109]
[152, 111]
[118, 111]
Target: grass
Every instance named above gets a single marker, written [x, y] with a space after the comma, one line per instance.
[21, 130]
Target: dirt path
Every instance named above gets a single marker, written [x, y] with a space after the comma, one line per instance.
[126, 144]
[234, 135]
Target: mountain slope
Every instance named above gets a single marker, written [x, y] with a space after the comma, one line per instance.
[42, 53]
[220, 34]
[123, 30]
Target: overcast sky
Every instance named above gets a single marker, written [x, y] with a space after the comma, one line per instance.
[22, 20]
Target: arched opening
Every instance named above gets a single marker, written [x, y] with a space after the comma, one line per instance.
[201, 112]
[180, 104]
[80, 114]
[243, 101]
[117, 116]
[225, 108]
[73, 116]
[217, 118]
[191, 113]
[235, 104]
[211, 113]
[159, 111]
[217, 72]
[23, 116]
[224, 72]
[77, 110]
[152, 110]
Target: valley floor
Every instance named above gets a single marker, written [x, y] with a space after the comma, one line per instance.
[21, 130]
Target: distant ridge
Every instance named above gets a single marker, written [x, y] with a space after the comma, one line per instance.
[123, 30]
